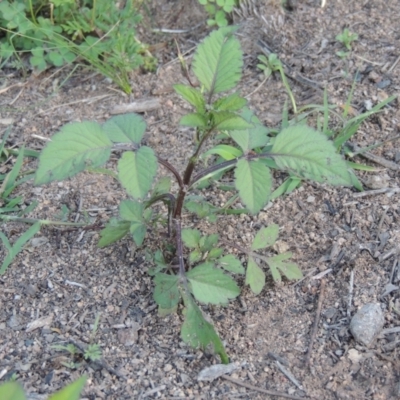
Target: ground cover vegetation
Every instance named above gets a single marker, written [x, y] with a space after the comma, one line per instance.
[37, 34]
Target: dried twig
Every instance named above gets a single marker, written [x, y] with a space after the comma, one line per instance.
[316, 322]
[376, 191]
[137, 106]
[258, 389]
[289, 375]
[351, 285]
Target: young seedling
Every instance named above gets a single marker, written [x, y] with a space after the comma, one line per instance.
[273, 64]
[346, 38]
[218, 10]
[191, 267]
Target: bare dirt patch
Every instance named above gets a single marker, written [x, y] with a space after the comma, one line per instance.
[353, 239]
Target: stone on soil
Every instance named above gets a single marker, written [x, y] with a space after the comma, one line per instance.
[367, 323]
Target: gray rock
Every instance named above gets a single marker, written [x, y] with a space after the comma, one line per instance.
[367, 323]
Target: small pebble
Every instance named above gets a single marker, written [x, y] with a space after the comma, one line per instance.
[167, 367]
[367, 323]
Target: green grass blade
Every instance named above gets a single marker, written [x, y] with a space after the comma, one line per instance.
[18, 245]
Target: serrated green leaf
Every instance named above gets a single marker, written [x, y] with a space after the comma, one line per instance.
[310, 155]
[70, 392]
[251, 138]
[208, 242]
[136, 171]
[12, 391]
[228, 121]
[218, 61]
[265, 237]
[130, 210]
[197, 331]
[127, 128]
[253, 181]
[278, 266]
[191, 237]
[214, 253]
[138, 232]
[194, 120]
[192, 96]
[231, 263]
[255, 276]
[232, 102]
[77, 146]
[18, 245]
[227, 152]
[113, 231]
[195, 256]
[162, 186]
[166, 292]
[210, 285]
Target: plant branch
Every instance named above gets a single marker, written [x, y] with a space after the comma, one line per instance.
[179, 246]
[170, 200]
[171, 168]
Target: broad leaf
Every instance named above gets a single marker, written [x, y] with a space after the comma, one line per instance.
[195, 256]
[228, 121]
[162, 186]
[130, 210]
[253, 137]
[231, 263]
[191, 237]
[194, 120]
[265, 237]
[77, 146]
[127, 128]
[12, 391]
[255, 276]
[114, 231]
[138, 232]
[166, 292]
[192, 96]
[232, 102]
[136, 171]
[196, 331]
[253, 181]
[70, 392]
[208, 242]
[211, 286]
[278, 265]
[310, 155]
[218, 61]
[227, 152]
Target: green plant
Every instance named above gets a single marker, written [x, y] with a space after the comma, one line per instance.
[228, 141]
[9, 182]
[272, 64]
[218, 10]
[63, 31]
[14, 391]
[346, 38]
[91, 353]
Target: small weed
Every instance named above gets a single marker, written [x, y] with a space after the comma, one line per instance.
[63, 31]
[218, 11]
[272, 64]
[346, 38]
